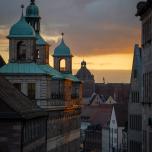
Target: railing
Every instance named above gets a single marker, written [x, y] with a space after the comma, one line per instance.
[57, 96]
[74, 96]
[50, 102]
[57, 100]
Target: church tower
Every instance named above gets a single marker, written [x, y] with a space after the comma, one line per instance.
[87, 77]
[63, 58]
[22, 40]
[42, 47]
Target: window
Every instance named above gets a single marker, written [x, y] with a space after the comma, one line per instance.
[147, 79]
[62, 65]
[21, 51]
[116, 131]
[31, 90]
[135, 146]
[135, 96]
[113, 121]
[136, 122]
[146, 31]
[37, 54]
[17, 86]
[135, 74]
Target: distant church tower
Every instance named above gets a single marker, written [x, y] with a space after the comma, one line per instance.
[63, 58]
[87, 78]
[42, 47]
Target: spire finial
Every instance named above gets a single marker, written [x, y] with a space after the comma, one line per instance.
[33, 1]
[62, 34]
[22, 7]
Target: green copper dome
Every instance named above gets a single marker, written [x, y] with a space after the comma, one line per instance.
[32, 10]
[21, 29]
[62, 50]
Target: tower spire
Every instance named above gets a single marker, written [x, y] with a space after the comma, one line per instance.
[32, 1]
[22, 7]
[62, 34]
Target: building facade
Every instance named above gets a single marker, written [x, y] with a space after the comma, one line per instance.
[55, 90]
[140, 111]
[134, 106]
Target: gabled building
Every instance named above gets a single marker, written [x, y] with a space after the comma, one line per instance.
[23, 125]
[109, 122]
[97, 99]
[55, 90]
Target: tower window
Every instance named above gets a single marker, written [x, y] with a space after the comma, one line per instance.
[62, 65]
[21, 51]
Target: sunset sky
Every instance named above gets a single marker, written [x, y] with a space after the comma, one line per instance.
[102, 32]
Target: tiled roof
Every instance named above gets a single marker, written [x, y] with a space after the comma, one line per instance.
[21, 105]
[32, 69]
[22, 29]
[51, 71]
[98, 114]
[71, 77]
[21, 68]
[40, 40]
[62, 50]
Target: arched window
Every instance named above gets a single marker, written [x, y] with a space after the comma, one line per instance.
[37, 54]
[21, 51]
[62, 65]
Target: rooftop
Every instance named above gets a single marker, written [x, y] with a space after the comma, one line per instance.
[143, 7]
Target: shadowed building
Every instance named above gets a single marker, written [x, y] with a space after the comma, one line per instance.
[118, 91]
[140, 105]
[23, 125]
[135, 107]
[57, 91]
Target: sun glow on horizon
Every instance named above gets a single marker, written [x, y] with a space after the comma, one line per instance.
[100, 62]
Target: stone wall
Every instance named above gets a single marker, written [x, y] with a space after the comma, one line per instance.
[10, 136]
[64, 130]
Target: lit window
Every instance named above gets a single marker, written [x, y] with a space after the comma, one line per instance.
[62, 65]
